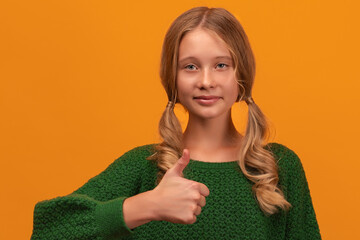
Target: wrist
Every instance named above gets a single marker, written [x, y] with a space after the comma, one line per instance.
[139, 209]
[149, 206]
[153, 205]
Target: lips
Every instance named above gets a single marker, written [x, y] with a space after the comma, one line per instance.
[206, 100]
[207, 97]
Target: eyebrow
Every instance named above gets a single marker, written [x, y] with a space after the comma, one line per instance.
[194, 58]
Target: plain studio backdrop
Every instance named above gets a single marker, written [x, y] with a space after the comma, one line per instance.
[79, 86]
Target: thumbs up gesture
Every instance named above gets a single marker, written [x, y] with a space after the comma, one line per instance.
[177, 199]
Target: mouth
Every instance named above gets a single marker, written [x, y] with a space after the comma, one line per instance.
[207, 97]
[206, 100]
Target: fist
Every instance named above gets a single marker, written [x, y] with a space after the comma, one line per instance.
[177, 199]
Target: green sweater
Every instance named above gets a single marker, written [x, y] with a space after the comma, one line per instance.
[94, 211]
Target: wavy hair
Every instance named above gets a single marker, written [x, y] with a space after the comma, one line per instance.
[256, 163]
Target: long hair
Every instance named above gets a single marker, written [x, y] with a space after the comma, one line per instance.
[257, 163]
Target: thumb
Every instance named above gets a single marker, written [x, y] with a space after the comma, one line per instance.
[180, 165]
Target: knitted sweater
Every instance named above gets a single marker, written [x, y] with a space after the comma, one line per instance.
[94, 211]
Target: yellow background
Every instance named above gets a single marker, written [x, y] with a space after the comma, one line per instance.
[79, 87]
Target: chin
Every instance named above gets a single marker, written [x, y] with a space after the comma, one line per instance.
[207, 113]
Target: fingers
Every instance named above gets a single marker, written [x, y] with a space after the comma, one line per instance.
[204, 190]
[202, 201]
[181, 164]
[193, 219]
[197, 211]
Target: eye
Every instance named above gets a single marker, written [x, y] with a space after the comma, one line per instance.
[222, 65]
[190, 67]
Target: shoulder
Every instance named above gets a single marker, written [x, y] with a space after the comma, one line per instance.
[290, 168]
[139, 152]
[285, 157]
[135, 158]
[288, 162]
[123, 175]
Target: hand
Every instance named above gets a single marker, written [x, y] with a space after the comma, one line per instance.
[177, 199]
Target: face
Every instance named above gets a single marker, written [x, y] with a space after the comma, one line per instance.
[206, 80]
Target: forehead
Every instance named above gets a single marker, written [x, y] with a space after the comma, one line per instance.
[202, 43]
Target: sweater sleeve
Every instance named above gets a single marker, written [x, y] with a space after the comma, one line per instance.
[301, 220]
[94, 211]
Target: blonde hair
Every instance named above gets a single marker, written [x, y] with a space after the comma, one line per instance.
[257, 163]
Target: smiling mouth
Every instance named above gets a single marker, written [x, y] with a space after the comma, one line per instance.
[206, 100]
[207, 97]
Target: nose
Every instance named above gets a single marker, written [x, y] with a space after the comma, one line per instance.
[206, 80]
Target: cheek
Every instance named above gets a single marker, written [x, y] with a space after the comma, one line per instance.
[232, 88]
[228, 80]
[185, 83]
[182, 89]
[234, 92]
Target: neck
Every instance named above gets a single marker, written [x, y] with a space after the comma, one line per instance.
[211, 134]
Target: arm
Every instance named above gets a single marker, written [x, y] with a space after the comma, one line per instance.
[109, 205]
[94, 211]
[301, 220]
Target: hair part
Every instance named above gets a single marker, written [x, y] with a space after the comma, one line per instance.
[257, 163]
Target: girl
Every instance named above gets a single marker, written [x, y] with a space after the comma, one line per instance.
[209, 182]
